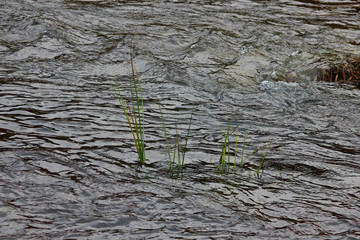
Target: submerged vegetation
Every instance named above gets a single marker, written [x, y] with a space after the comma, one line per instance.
[133, 109]
[348, 71]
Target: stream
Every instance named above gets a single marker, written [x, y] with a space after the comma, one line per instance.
[68, 164]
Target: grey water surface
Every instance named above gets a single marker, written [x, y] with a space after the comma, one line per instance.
[68, 167]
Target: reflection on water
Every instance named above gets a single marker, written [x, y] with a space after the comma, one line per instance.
[67, 165]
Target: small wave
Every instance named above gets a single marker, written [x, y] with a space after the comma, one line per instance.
[271, 85]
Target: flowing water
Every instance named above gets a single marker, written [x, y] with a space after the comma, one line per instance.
[68, 167]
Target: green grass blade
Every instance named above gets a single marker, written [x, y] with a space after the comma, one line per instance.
[167, 141]
[186, 140]
[141, 116]
[236, 143]
[116, 89]
[262, 161]
[177, 146]
[133, 114]
[228, 153]
[243, 149]
[227, 142]
[225, 148]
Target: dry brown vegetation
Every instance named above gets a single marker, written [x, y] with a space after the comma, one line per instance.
[348, 71]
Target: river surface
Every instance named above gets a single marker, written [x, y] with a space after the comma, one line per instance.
[68, 166]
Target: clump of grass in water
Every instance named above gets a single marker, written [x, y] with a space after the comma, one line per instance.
[178, 149]
[225, 152]
[134, 111]
[225, 149]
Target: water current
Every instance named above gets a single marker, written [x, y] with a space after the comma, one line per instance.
[68, 166]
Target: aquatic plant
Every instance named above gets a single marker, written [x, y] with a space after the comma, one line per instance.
[263, 158]
[179, 151]
[225, 152]
[348, 71]
[134, 110]
[225, 148]
[259, 168]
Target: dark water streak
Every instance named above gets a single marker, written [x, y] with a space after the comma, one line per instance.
[68, 168]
